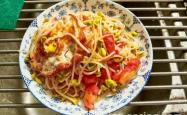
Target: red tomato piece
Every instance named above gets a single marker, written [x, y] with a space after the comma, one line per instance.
[127, 76]
[116, 76]
[109, 43]
[134, 62]
[103, 74]
[113, 64]
[93, 89]
[128, 73]
[63, 66]
[82, 37]
[89, 79]
[78, 57]
[89, 100]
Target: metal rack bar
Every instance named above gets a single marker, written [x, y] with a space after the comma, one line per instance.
[163, 18]
[21, 105]
[168, 73]
[13, 90]
[9, 51]
[169, 48]
[144, 103]
[166, 27]
[165, 87]
[11, 40]
[168, 37]
[9, 63]
[135, 103]
[169, 60]
[168, 87]
[10, 76]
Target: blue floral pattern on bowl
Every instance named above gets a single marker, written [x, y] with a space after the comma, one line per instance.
[108, 104]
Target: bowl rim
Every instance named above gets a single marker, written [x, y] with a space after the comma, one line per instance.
[150, 53]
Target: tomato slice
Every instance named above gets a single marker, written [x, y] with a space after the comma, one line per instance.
[127, 76]
[116, 76]
[134, 62]
[82, 37]
[93, 89]
[78, 57]
[89, 79]
[90, 96]
[103, 74]
[109, 42]
[113, 64]
[89, 100]
[128, 73]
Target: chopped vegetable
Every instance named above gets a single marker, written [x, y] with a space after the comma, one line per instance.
[51, 48]
[89, 100]
[140, 53]
[88, 22]
[75, 82]
[75, 101]
[128, 35]
[89, 79]
[91, 67]
[118, 59]
[26, 58]
[134, 62]
[103, 88]
[134, 34]
[117, 34]
[98, 18]
[127, 76]
[110, 83]
[116, 76]
[45, 20]
[103, 74]
[129, 72]
[109, 42]
[113, 64]
[92, 88]
[35, 77]
[102, 52]
[101, 15]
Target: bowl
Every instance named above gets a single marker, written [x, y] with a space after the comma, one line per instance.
[109, 103]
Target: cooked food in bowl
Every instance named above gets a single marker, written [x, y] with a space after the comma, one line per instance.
[84, 56]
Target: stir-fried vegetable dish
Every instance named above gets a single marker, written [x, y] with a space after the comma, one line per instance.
[84, 56]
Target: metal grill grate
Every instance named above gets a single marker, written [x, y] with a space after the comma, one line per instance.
[166, 22]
